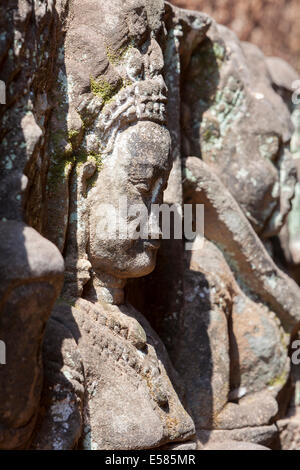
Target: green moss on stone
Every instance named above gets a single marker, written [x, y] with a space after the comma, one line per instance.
[97, 158]
[278, 381]
[83, 157]
[59, 170]
[219, 51]
[103, 89]
[115, 57]
[73, 134]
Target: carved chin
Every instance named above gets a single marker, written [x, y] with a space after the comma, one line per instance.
[143, 265]
[126, 265]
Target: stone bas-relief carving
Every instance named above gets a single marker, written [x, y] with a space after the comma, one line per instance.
[121, 365]
[105, 126]
[285, 79]
[249, 368]
[235, 325]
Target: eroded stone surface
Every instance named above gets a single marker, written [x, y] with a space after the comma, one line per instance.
[107, 101]
[234, 445]
[30, 284]
[120, 97]
[226, 95]
[262, 435]
[112, 356]
[289, 431]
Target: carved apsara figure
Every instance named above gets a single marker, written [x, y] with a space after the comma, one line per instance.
[127, 99]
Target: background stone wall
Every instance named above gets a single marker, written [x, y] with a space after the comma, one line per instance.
[273, 25]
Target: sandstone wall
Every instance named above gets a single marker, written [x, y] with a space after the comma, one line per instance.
[273, 25]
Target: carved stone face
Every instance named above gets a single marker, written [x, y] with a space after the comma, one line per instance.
[118, 90]
[137, 171]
